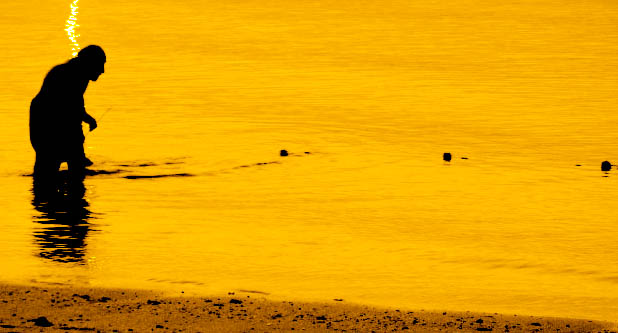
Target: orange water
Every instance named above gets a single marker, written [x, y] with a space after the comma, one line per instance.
[376, 92]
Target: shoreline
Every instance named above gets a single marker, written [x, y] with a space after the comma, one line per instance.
[25, 308]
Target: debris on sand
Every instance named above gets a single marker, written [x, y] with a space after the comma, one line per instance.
[42, 322]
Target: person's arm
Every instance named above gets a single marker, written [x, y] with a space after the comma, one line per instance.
[88, 119]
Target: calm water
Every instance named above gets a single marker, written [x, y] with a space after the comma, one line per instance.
[376, 92]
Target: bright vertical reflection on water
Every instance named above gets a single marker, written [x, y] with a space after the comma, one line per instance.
[71, 28]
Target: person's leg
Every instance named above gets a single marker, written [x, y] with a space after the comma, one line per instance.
[45, 164]
[76, 165]
[75, 159]
[46, 169]
[86, 161]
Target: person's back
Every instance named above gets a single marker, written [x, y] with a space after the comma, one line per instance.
[56, 111]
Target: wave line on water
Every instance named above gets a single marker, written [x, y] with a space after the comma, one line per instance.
[71, 28]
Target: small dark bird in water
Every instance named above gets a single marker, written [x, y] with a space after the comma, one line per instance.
[606, 166]
[447, 157]
[283, 152]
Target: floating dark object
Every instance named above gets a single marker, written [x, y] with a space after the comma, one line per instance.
[606, 166]
[578, 165]
[447, 157]
[283, 152]
[464, 158]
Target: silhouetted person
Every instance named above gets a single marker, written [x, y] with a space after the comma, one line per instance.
[57, 112]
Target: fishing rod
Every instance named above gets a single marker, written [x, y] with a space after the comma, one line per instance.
[100, 118]
[104, 113]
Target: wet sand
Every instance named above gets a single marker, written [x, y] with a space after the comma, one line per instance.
[26, 308]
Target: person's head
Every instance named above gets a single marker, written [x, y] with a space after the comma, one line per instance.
[93, 58]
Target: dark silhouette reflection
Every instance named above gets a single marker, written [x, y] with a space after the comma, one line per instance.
[64, 216]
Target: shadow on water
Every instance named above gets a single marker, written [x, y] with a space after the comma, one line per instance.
[63, 218]
[159, 176]
[152, 170]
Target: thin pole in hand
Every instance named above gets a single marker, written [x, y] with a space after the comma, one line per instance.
[100, 117]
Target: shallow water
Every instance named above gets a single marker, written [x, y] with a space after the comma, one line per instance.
[190, 192]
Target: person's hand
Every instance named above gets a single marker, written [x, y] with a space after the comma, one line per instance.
[93, 125]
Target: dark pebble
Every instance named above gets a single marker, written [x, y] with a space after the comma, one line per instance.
[447, 157]
[235, 301]
[42, 322]
[485, 329]
[479, 321]
[151, 302]
[320, 318]
[606, 166]
[86, 297]
[536, 324]
[104, 299]
[278, 315]
[283, 152]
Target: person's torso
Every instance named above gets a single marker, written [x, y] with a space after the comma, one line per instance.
[60, 102]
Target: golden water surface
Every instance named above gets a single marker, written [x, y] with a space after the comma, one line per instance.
[375, 92]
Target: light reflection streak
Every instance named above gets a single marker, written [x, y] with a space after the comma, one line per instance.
[71, 28]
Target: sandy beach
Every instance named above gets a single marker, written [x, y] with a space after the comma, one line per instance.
[49, 309]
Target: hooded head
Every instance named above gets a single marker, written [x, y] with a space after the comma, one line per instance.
[93, 59]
